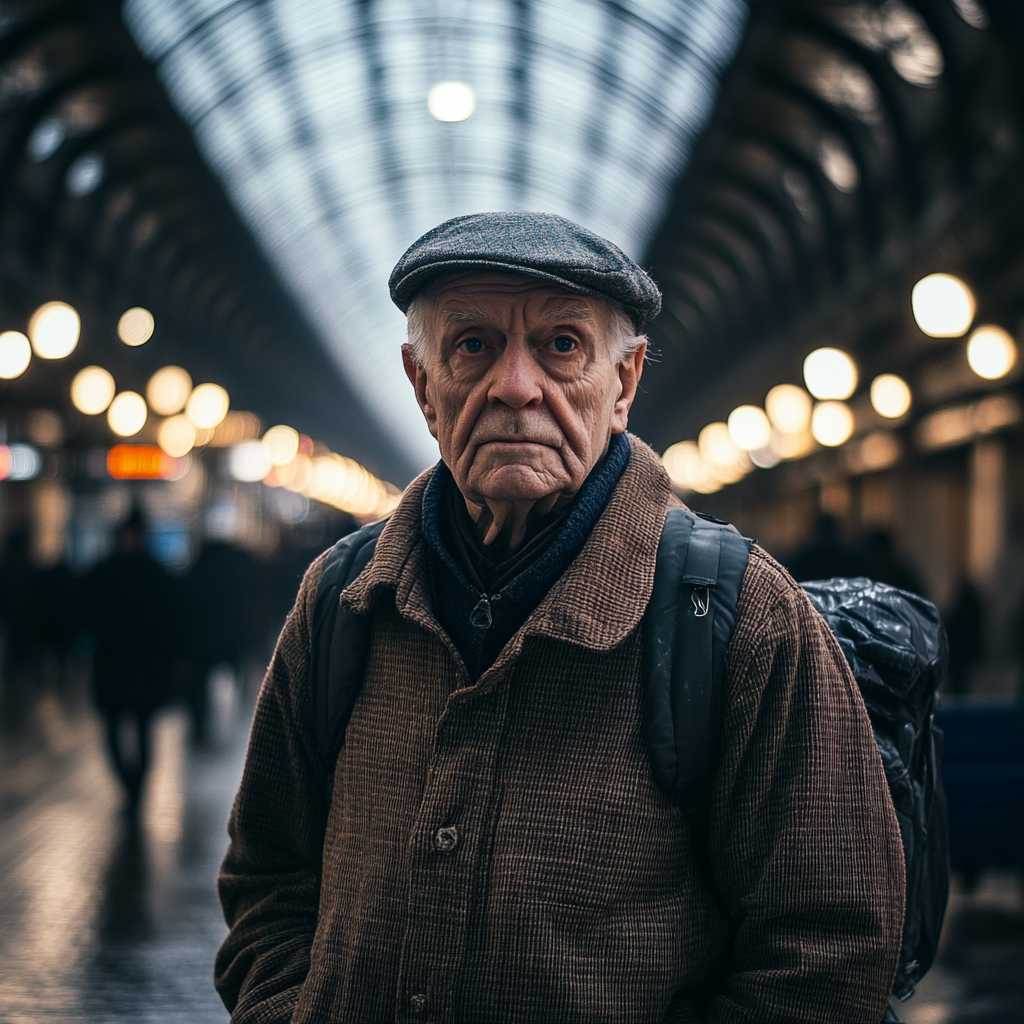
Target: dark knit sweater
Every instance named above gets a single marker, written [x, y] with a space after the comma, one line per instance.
[481, 624]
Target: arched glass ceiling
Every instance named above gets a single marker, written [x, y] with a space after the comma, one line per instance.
[314, 113]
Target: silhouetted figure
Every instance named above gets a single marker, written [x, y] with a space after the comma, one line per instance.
[220, 605]
[20, 610]
[132, 606]
[885, 566]
[826, 555]
[965, 628]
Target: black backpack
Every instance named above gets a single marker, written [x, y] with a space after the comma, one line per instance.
[893, 641]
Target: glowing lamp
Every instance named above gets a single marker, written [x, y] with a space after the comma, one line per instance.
[15, 354]
[991, 352]
[176, 436]
[168, 390]
[54, 329]
[92, 390]
[135, 326]
[832, 423]
[749, 428]
[283, 444]
[830, 373]
[451, 101]
[943, 306]
[789, 408]
[127, 414]
[207, 406]
[890, 396]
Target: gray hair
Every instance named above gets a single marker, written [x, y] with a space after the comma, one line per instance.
[623, 339]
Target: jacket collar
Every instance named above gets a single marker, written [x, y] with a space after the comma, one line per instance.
[596, 603]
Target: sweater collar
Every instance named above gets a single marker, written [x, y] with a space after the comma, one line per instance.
[597, 602]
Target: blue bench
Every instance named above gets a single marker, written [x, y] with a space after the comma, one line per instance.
[983, 776]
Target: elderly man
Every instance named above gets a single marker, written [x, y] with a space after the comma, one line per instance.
[490, 844]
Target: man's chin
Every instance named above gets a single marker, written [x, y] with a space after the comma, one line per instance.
[517, 482]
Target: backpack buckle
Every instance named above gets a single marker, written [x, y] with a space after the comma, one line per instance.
[701, 601]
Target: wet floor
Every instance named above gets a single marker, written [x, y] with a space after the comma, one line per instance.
[104, 922]
[101, 920]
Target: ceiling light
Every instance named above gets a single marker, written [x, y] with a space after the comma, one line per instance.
[451, 101]
[943, 306]
[249, 461]
[15, 354]
[168, 390]
[135, 326]
[283, 444]
[176, 436]
[207, 405]
[991, 352]
[54, 330]
[832, 423]
[789, 408]
[686, 469]
[749, 428]
[830, 373]
[127, 414]
[890, 396]
[92, 390]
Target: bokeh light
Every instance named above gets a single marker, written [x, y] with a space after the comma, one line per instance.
[991, 352]
[749, 428]
[176, 436]
[135, 326]
[249, 461]
[207, 405]
[830, 373]
[724, 460]
[943, 305]
[92, 390]
[831, 423]
[127, 414]
[451, 101]
[168, 390]
[789, 408]
[15, 354]
[686, 469]
[890, 396]
[282, 442]
[54, 329]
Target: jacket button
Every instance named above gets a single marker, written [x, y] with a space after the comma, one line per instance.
[418, 1003]
[446, 839]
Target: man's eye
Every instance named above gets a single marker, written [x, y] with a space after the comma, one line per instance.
[563, 343]
[474, 346]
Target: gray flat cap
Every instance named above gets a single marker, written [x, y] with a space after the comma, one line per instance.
[538, 244]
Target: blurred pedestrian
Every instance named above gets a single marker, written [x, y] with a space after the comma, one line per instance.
[219, 596]
[965, 627]
[826, 555]
[133, 608]
[885, 566]
[20, 609]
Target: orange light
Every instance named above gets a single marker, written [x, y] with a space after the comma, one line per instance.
[140, 462]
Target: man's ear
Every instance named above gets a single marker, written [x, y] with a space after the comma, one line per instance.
[630, 371]
[418, 377]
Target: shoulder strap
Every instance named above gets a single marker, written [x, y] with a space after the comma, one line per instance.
[686, 632]
[340, 637]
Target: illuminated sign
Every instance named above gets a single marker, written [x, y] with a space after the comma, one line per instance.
[19, 462]
[140, 462]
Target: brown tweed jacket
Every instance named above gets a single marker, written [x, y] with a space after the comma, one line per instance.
[499, 852]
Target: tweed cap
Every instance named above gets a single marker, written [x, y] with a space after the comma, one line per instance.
[538, 244]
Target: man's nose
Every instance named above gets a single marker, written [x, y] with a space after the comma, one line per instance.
[515, 378]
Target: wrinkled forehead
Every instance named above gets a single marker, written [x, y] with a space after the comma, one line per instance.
[476, 295]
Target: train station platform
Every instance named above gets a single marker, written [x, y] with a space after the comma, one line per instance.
[108, 922]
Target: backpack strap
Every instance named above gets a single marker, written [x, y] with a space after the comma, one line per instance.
[686, 632]
[339, 642]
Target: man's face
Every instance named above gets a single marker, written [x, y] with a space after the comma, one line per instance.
[521, 387]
